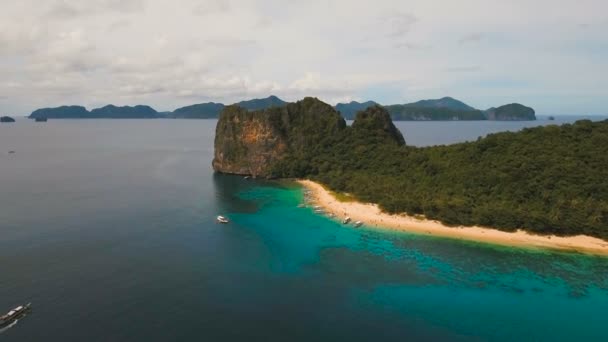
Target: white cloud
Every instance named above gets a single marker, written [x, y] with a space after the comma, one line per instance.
[169, 54]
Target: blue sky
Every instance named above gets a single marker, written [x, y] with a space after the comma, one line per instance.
[550, 55]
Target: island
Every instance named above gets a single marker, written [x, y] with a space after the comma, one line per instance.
[511, 182]
[209, 110]
[349, 110]
[446, 109]
[106, 112]
[6, 119]
[443, 109]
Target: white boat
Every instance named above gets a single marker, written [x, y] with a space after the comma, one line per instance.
[222, 219]
[346, 220]
[358, 224]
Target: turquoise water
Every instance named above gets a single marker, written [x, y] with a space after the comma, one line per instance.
[425, 285]
[107, 227]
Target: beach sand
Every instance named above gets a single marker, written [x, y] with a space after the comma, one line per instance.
[372, 216]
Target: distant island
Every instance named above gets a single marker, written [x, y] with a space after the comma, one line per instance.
[508, 180]
[445, 108]
[109, 111]
[6, 119]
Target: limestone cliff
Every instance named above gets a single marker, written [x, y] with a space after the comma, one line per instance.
[251, 142]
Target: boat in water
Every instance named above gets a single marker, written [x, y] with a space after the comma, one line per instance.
[346, 220]
[358, 224]
[14, 315]
[222, 219]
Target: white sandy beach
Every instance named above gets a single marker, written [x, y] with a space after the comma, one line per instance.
[372, 216]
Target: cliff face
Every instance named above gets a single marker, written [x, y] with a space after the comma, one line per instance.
[252, 142]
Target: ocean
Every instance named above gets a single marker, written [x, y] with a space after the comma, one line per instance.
[108, 228]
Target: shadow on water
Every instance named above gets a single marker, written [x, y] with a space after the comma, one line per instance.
[229, 190]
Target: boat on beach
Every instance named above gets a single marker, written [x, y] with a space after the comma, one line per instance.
[346, 220]
[14, 315]
[222, 219]
[358, 224]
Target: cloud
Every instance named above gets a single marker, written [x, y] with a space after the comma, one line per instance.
[472, 68]
[211, 7]
[169, 54]
[398, 24]
[471, 38]
[73, 9]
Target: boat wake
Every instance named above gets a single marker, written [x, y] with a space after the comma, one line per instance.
[8, 327]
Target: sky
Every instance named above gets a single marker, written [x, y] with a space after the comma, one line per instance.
[550, 55]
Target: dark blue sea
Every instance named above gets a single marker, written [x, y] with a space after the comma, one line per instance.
[107, 227]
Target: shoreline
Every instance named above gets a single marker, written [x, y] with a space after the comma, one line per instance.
[373, 217]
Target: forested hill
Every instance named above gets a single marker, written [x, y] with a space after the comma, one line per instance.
[443, 109]
[546, 180]
[106, 112]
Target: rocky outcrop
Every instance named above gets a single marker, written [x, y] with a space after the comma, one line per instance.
[252, 142]
[282, 141]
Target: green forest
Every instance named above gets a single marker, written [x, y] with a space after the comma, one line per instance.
[547, 180]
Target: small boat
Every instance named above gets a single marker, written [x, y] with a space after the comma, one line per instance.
[358, 224]
[246, 177]
[346, 220]
[301, 205]
[316, 207]
[11, 152]
[222, 219]
[15, 314]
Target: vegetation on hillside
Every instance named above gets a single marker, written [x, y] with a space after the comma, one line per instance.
[547, 180]
[411, 113]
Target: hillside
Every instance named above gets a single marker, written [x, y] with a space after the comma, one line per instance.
[210, 110]
[547, 180]
[107, 112]
[258, 104]
[67, 112]
[444, 102]
[511, 112]
[126, 112]
[411, 113]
